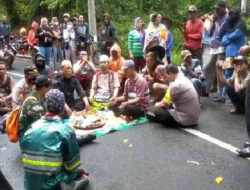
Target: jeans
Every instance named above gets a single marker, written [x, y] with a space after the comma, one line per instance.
[46, 52]
[57, 54]
[70, 52]
[197, 85]
[228, 74]
[247, 108]
[237, 99]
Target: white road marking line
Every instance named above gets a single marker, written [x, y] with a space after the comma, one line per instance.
[213, 140]
[15, 74]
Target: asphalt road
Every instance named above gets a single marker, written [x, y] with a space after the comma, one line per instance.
[161, 158]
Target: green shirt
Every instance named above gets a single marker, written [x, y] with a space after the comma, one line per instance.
[32, 110]
[134, 43]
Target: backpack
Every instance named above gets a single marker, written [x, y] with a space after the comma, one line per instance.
[12, 124]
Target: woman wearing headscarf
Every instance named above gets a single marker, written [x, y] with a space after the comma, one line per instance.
[136, 39]
[156, 31]
[116, 62]
[235, 36]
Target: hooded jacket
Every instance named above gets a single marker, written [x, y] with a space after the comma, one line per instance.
[115, 64]
[32, 40]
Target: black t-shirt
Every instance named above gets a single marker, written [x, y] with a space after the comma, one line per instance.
[46, 39]
[68, 87]
[5, 88]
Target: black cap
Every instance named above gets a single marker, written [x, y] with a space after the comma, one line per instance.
[39, 57]
[220, 4]
[30, 70]
[42, 80]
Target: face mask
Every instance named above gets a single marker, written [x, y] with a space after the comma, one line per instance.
[40, 66]
[31, 80]
[208, 25]
[69, 27]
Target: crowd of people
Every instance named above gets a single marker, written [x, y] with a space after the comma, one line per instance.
[148, 84]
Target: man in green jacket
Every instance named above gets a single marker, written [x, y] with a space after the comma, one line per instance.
[50, 153]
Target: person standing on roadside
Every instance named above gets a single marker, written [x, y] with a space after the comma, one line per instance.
[5, 31]
[136, 39]
[44, 35]
[192, 33]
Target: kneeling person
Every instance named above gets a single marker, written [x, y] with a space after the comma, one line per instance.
[50, 154]
[180, 104]
[135, 100]
[33, 107]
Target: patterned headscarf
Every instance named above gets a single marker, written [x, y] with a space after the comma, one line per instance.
[142, 34]
[54, 101]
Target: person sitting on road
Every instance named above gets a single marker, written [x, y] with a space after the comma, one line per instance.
[245, 150]
[116, 60]
[41, 67]
[84, 70]
[192, 69]
[50, 153]
[180, 104]
[68, 84]
[33, 107]
[24, 86]
[236, 85]
[154, 73]
[6, 86]
[135, 100]
[105, 85]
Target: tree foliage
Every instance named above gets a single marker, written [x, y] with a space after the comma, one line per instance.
[22, 12]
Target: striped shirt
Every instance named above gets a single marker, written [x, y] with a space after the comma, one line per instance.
[134, 43]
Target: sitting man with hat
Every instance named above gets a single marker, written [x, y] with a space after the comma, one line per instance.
[33, 106]
[24, 86]
[68, 84]
[41, 67]
[135, 100]
[192, 69]
[236, 85]
[105, 85]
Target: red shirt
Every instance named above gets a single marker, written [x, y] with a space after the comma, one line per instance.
[193, 34]
[32, 40]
